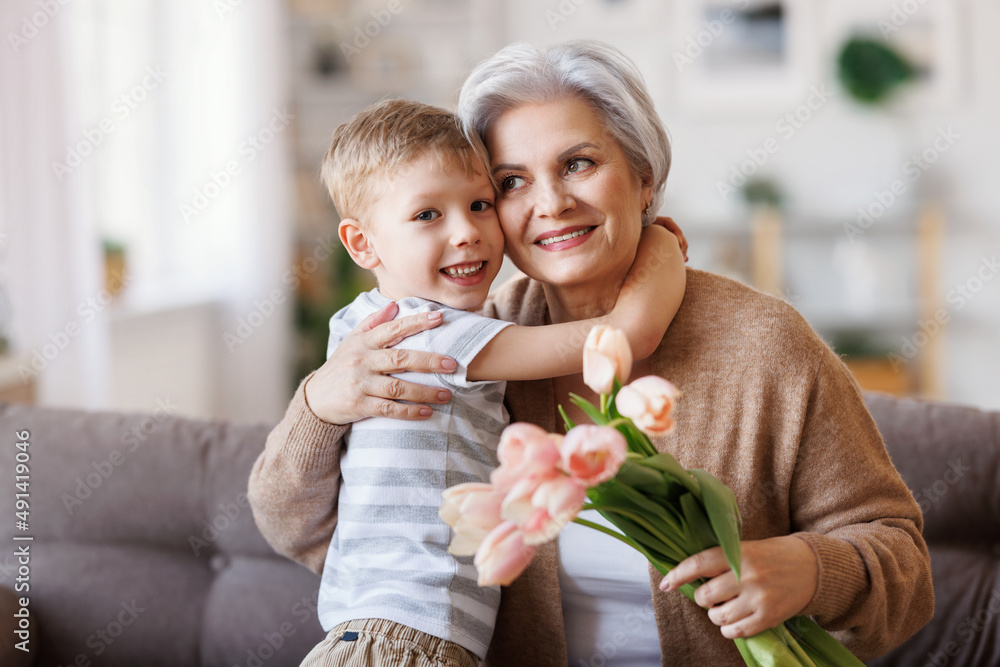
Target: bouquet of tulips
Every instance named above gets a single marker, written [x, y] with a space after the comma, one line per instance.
[664, 511]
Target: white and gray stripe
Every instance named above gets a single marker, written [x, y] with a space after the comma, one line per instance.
[389, 555]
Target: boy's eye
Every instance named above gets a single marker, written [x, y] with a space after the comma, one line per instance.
[511, 182]
[427, 216]
[578, 164]
[481, 205]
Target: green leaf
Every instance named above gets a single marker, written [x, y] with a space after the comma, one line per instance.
[667, 464]
[817, 641]
[701, 530]
[589, 408]
[643, 479]
[567, 422]
[723, 513]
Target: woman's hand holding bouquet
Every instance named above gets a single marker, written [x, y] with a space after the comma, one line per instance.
[664, 511]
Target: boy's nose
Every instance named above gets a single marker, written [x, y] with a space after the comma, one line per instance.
[465, 232]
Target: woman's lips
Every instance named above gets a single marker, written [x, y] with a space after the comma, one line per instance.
[563, 239]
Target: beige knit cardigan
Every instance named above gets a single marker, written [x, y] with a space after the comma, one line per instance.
[767, 407]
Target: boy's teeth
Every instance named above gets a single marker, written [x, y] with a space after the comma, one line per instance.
[464, 272]
[564, 237]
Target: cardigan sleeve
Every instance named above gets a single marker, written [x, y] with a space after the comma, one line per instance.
[863, 524]
[295, 483]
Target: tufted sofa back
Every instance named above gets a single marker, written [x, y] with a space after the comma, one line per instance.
[950, 458]
[145, 551]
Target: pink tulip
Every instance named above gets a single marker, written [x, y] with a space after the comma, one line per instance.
[593, 454]
[606, 355]
[648, 402]
[525, 451]
[503, 555]
[555, 503]
[472, 510]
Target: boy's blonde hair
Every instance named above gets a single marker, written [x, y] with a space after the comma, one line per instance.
[384, 138]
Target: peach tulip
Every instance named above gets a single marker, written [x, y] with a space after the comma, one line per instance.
[606, 355]
[525, 451]
[503, 555]
[554, 503]
[593, 454]
[472, 510]
[648, 402]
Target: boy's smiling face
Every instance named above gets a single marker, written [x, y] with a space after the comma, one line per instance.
[432, 232]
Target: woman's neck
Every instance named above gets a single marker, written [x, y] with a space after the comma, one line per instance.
[581, 302]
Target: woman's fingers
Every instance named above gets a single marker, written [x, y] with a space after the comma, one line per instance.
[393, 332]
[355, 381]
[779, 576]
[383, 387]
[398, 360]
[703, 565]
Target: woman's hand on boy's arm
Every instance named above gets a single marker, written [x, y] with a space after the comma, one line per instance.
[354, 382]
[652, 292]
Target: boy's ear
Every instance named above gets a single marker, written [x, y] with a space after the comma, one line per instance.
[358, 244]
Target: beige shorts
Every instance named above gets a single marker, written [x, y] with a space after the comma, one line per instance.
[375, 642]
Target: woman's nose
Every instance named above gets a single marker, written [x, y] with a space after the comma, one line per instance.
[552, 199]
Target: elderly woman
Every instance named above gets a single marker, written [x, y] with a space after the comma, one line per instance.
[830, 530]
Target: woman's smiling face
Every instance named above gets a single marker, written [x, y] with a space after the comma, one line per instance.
[570, 204]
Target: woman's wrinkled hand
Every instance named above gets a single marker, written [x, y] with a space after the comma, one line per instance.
[355, 381]
[779, 576]
[674, 229]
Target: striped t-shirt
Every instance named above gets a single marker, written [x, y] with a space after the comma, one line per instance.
[389, 555]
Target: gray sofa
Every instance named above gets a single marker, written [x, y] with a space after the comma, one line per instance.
[145, 552]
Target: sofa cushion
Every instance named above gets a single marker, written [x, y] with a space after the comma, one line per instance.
[146, 516]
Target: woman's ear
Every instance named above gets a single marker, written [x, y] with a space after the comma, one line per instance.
[358, 244]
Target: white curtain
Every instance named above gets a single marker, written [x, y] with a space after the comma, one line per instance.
[49, 249]
[181, 109]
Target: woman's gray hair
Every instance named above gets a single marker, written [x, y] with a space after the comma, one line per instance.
[596, 72]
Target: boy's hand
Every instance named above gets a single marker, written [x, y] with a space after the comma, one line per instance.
[778, 578]
[671, 226]
[353, 383]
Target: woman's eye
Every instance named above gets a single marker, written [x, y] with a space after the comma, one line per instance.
[427, 216]
[578, 164]
[481, 205]
[511, 183]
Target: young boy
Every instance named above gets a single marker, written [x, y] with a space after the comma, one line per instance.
[417, 208]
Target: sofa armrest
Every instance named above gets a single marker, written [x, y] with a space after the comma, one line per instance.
[10, 655]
